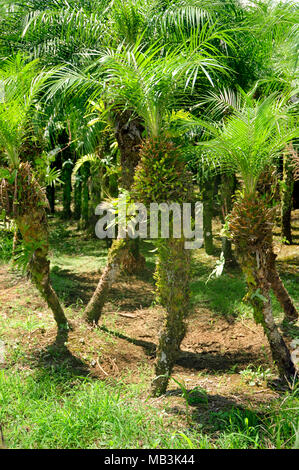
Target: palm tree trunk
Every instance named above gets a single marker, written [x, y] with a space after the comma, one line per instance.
[77, 196]
[172, 274]
[251, 226]
[282, 295]
[95, 191]
[287, 188]
[51, 198]
[124, 253]
[256, 268]
[159, 156]
[39, 270]
[85, 172]
[128, 134]
[29, 213]
[208, 209]
[227, 190]
[116, 255]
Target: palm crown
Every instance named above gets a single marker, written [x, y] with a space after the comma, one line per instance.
[252, 137]
[20, 85]
[146, 81]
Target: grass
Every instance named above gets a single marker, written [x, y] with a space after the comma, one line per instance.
[224, 295]
[52, 408]
[69, 251]
[6, 243]
[273, 426]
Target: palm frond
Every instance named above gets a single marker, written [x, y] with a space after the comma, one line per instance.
[21, 85]
[251, 137]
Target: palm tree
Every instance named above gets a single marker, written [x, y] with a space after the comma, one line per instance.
[275, 26]
[248, 141]
[21, 195]
[147, 84]
[49, 33]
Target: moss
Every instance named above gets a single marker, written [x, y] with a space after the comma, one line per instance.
[172, 281]
[118, 246]
[161, 175]
[31, 220]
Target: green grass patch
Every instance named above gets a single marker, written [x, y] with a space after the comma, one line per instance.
[53, 408]
[6, 244]
[57, 410]
[275, 425]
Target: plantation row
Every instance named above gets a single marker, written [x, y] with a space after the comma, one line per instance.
[168, 101]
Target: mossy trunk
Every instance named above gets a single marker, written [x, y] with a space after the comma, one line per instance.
[208, 210]
[255, 268]
[123, 253]
[77, 195]
[39, 269]
[162, 176]
[85, 172]
[95, 306]
[282, 295]
[251, 225]
[29, 212]
[172, 276]
[227, 190]
[66, 177]
[287, 188]
[128, 133]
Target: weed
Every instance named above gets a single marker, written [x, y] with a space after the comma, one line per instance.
[255, 376]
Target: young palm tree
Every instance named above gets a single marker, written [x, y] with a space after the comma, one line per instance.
[145, 83]
[275, 26]
[100, 76]
[221, 105]
[248, 142]
[20, 194]
[73, 32]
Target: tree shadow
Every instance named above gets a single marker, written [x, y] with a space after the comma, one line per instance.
[215, 361]
[148, 346]
[72, 288]
[55, 358]
[207, 361]
[215, 412]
